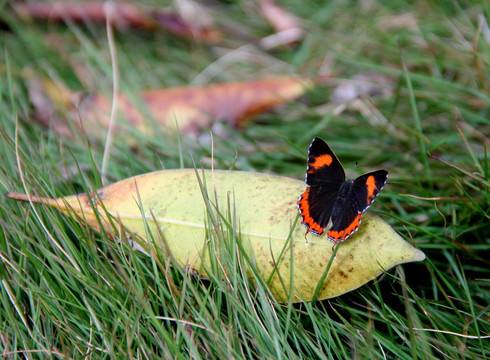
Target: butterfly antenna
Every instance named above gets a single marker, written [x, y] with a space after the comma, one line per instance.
[306, 239]
[355, 165]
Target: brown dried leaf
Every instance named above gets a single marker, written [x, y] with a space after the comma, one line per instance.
[286, 25]
[192, 108]
[277, 16]
[368, 84]
[122, 15]
[406, 21]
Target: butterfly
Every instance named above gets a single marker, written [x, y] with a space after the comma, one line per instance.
[331, 198]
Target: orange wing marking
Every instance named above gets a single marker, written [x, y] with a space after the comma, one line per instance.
[308, 221]
[371, 188]
[319, 162]
[341, 235]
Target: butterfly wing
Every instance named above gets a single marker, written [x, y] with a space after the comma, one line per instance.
[315, 206]
[367, 187]
[323, 167]
[346, 215]
[324, 175]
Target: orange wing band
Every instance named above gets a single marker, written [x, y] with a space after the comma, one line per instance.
[307, 220]
[371, 188]
[319, 162]
[341, 235]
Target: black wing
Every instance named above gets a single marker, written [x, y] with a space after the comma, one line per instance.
[346, 216]
[315, 206]
[323, 167]
[366, 188]
[324, 176]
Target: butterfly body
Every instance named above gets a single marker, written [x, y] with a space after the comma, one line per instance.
[331, 198]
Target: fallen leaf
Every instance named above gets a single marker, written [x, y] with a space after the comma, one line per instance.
[287, 26]
[51, 103]
[170, 203]
[123, 15]
[277, 16]
[192, 108]
[368, 84]
[403, 21]
[357, 93]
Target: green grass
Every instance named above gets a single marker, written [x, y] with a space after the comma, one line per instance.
[68, 292]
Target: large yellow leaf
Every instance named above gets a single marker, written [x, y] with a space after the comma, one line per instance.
[265, 210]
